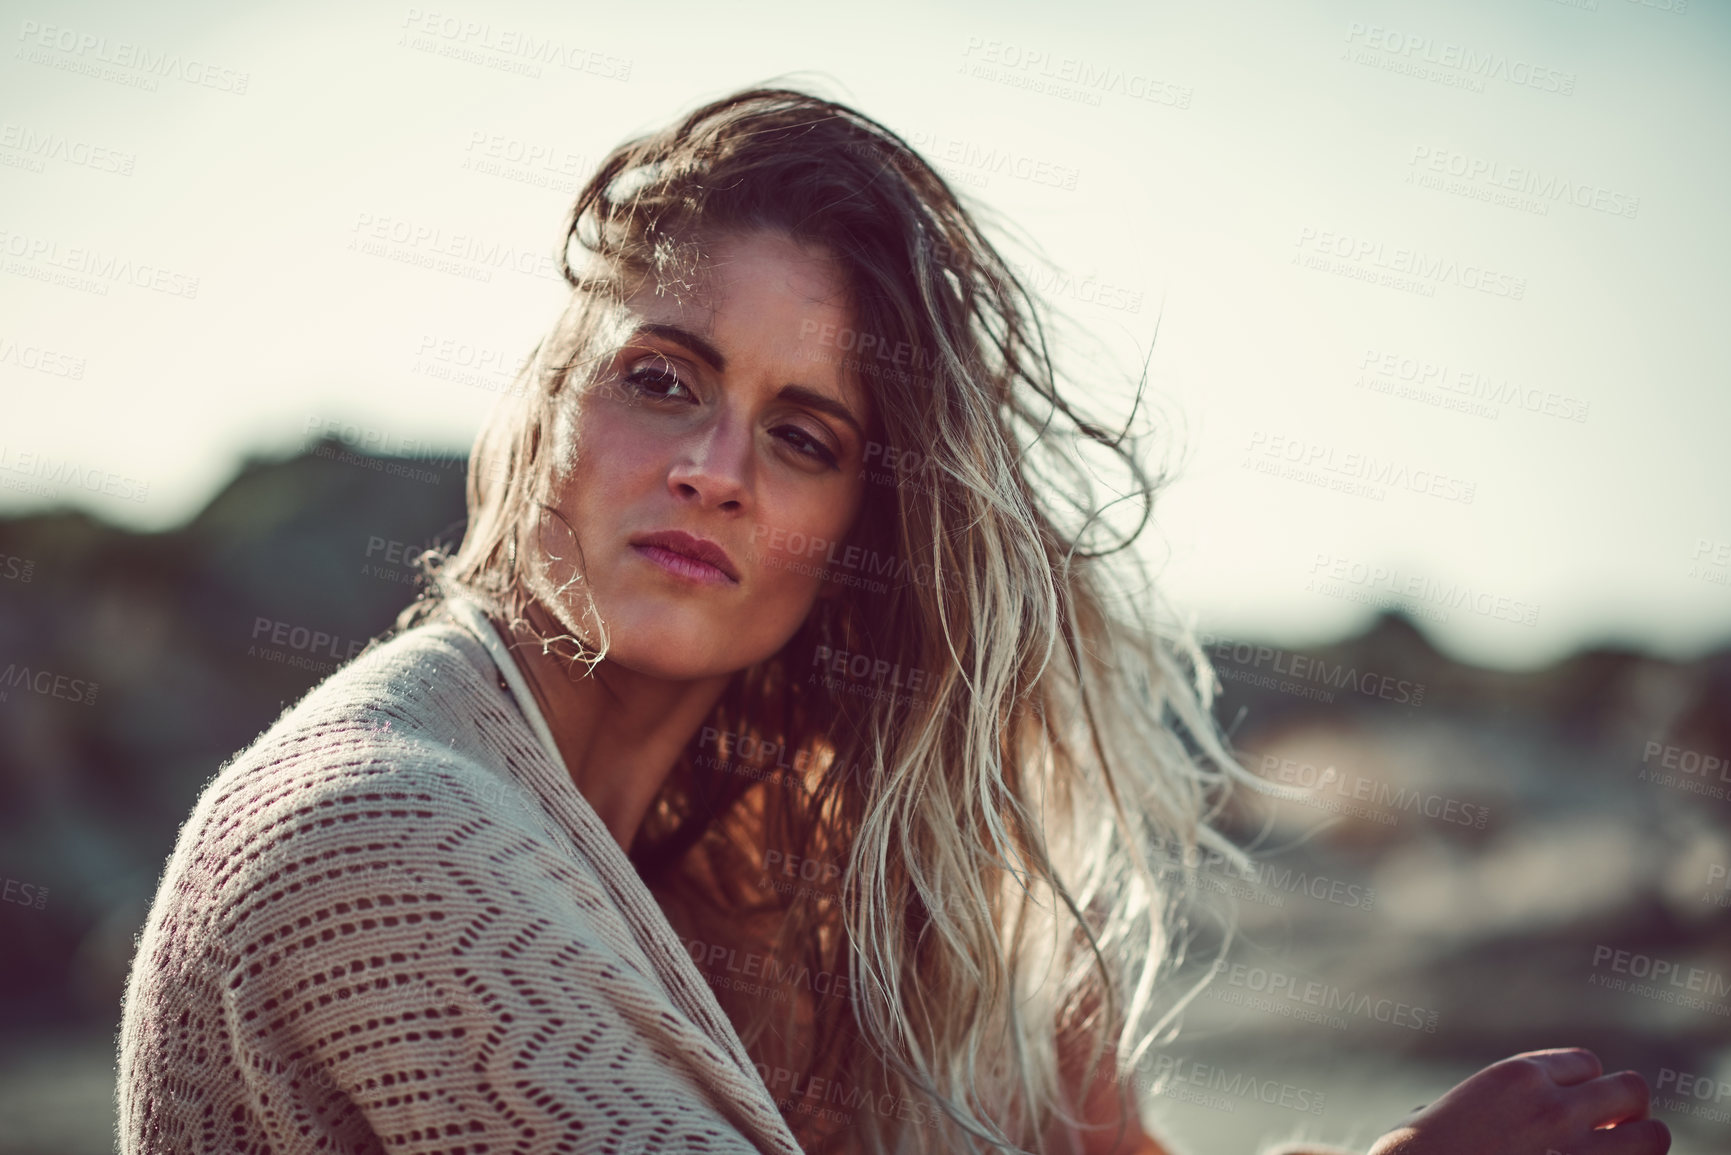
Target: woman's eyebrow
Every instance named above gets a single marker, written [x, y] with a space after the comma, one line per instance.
[684, 337]
[803, 394]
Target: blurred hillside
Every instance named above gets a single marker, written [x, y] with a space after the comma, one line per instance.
[1493, 851]
[195, 641]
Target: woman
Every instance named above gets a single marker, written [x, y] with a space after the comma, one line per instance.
[782, 762]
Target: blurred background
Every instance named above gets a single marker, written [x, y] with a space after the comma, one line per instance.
[1434, 289]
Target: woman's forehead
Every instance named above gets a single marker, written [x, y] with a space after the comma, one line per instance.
[705, 272]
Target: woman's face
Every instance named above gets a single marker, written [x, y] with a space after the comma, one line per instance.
[707, 421]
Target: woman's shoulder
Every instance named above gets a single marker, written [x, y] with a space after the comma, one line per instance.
[368, 887]
[401, 745]
[419, 691]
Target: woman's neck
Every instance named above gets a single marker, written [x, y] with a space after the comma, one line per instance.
[619, 731]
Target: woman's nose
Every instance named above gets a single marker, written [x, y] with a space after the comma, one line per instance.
[714, 462]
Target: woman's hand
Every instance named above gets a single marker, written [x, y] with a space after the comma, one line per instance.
[1556, 1102]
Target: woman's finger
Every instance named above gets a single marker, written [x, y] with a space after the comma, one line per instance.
[1643, 1137]
[1617, 1098]
[1566, 1065]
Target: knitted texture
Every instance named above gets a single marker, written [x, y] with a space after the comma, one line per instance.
[392, 923]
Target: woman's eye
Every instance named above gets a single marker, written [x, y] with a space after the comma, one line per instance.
[805, 443]
[656, 381]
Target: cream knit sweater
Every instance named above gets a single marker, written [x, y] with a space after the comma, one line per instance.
[393, 924]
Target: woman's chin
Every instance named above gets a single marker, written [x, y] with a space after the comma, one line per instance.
[661, 645]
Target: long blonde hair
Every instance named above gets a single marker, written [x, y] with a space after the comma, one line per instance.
[1001, 839]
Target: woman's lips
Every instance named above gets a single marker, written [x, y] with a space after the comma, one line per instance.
[681, 566]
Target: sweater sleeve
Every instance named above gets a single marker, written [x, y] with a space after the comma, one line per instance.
[408, 962]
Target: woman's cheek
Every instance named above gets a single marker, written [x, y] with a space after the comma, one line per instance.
[789, 559]
[768, 554]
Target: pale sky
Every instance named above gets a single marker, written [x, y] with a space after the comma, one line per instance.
[1441, 287]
